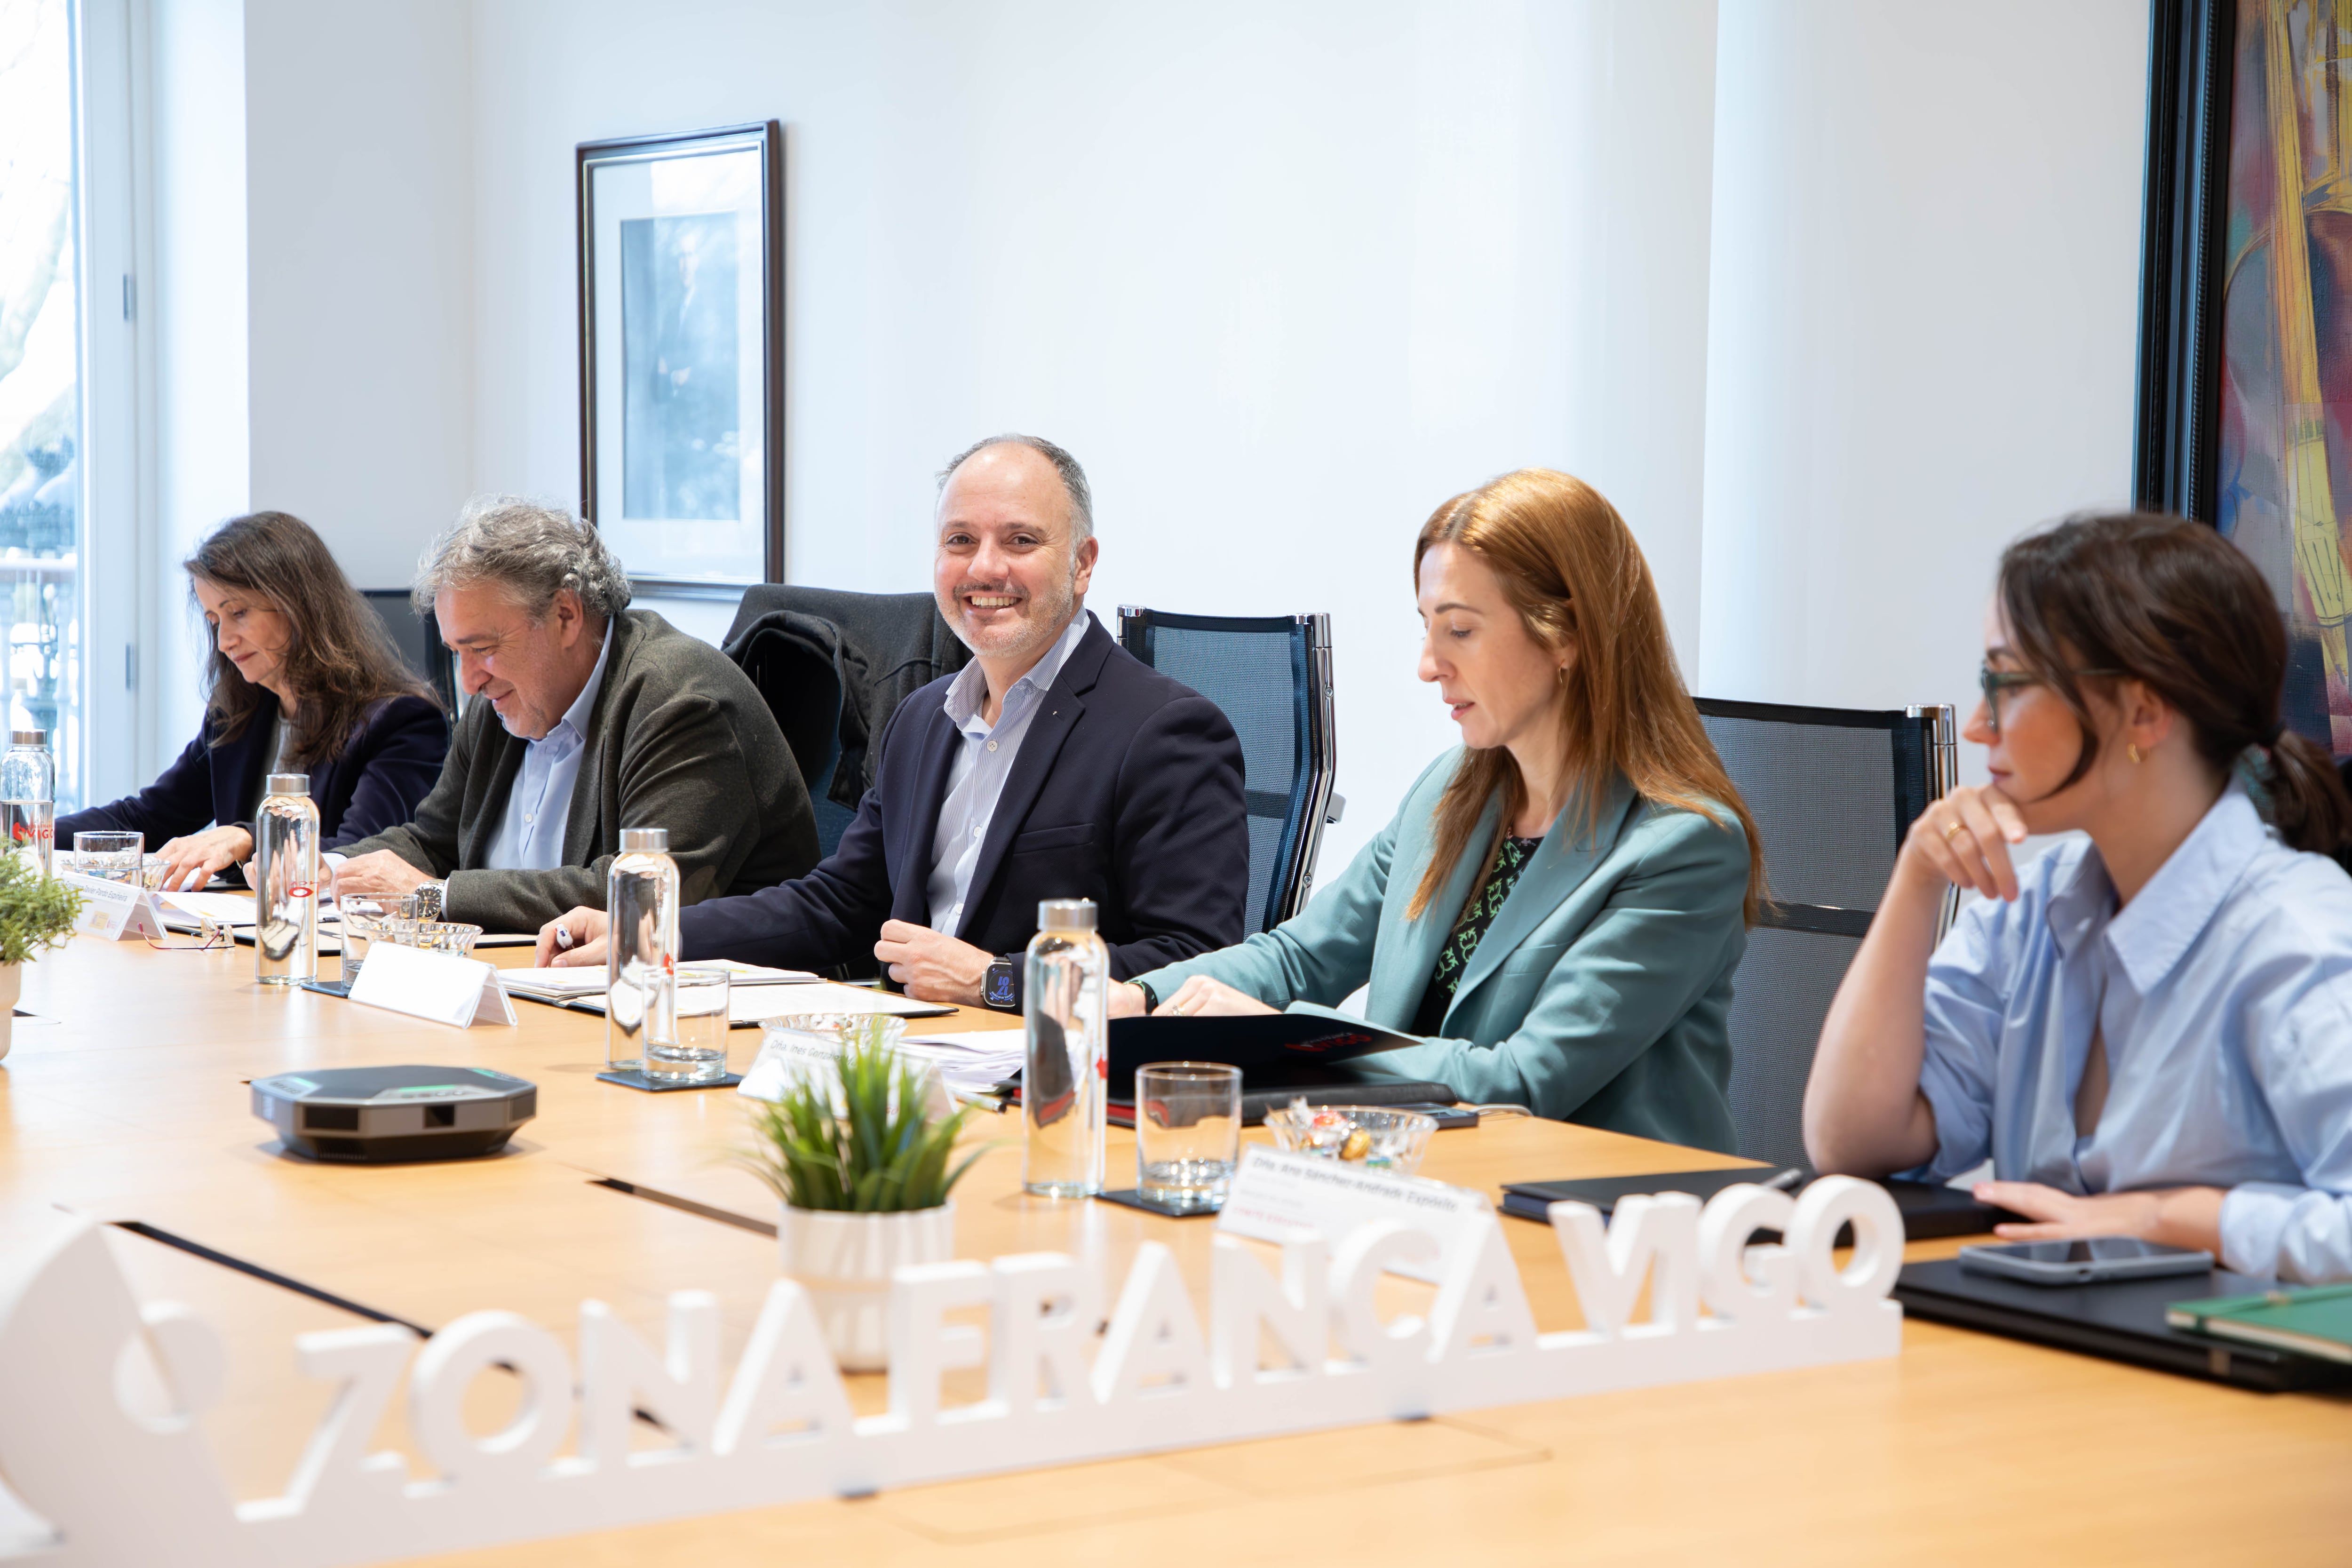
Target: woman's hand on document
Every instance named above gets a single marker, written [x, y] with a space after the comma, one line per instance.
[1201, 997]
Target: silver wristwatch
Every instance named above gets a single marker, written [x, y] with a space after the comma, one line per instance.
[429, 900]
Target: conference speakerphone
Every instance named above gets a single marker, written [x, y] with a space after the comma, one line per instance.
[395, 1112]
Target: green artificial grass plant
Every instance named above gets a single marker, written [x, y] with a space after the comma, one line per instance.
[880, 1153]
[35, 911]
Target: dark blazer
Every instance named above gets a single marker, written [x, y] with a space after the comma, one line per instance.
[678, 738]
[1128, 791]
[377, 781]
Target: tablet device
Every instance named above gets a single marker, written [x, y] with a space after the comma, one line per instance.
[2085, 1260]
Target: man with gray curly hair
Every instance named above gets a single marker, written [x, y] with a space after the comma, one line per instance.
[605, 717]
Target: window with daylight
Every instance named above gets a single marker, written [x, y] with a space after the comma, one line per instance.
[40, 381]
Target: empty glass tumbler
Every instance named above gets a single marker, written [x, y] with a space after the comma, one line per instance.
[695, 1051]
[1066, 1005]
[285, 882]
[110, 857]
[1188, 1132]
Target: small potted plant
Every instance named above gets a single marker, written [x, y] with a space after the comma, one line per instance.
[862, 1168]
[36, 912]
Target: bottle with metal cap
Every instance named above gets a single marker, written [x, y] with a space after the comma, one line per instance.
[640, 948]
[1066, 1004]
[285, 882]
[29, 794]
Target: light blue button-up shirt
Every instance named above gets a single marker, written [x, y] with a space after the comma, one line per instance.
[982, 765]
[531, 835]
[2223, 995]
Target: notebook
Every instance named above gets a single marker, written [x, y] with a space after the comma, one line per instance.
[1270, 1049]
[2122, 1319]
[2314, 1321]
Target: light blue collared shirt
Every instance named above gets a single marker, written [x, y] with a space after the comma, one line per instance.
[982, 765]
[530, 834]
[2223, 993]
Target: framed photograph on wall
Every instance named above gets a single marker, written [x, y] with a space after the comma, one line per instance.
[2245, 362]
[682, 354]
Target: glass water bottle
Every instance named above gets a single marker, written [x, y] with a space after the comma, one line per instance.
[641, 947]
[28, 794]
[1063, 1083]
[285, 882]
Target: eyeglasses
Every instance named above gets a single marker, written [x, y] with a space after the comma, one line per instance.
[1993, 683]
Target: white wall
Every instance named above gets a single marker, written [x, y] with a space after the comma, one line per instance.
[1283, 278]
[1922, 331]
[203, 458]
[1852, 283]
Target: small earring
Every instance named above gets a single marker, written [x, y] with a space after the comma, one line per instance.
[2131, 750]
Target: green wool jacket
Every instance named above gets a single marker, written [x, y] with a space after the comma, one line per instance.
[1600, 994]
[678, 738]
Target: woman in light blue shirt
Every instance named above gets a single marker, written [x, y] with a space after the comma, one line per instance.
[1556, 907]
[2148, 1032]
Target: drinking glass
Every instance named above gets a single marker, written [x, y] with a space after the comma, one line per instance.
[1188, 1132]
[698, 1052]
[360, 920]
[110, 857]
[430, 936]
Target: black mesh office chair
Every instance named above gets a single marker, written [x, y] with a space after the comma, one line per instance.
[417, 634]
[1833, 791]
[1271, 675]
[795, 660]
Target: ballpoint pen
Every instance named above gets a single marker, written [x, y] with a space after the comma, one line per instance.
[1784, 1181]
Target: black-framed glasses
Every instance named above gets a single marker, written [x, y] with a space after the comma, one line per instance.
[1993, 683]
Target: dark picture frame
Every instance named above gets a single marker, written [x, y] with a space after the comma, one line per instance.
[2244, 416]
[2176, 435]
[682, 456]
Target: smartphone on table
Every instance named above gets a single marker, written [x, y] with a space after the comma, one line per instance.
[2086, 1261]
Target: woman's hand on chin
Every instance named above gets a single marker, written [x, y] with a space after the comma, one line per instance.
[1201, 997]
[1965, 838]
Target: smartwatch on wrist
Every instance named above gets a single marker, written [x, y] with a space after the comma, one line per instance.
[1150, 998]
[1001, 988]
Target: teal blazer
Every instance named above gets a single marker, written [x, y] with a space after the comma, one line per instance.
[1600, 994]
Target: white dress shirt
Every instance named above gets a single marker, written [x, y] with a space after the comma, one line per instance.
[530, 832]
[982, 765]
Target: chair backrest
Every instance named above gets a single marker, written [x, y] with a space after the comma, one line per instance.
[1833, 791]
[795, 660]
[417, 634]
[1272, 677]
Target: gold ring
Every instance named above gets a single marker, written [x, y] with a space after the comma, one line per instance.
[1955, 827]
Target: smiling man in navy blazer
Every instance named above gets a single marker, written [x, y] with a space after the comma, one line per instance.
[1053, 765]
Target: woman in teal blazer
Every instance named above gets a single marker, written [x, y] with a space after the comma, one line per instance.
[1557, 907]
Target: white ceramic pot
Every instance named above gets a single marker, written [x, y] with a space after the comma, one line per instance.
[12, 985]
[845, 1260]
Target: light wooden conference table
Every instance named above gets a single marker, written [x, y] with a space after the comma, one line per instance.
[130, 1105]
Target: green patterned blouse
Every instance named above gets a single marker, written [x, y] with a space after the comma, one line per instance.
[1477, 915]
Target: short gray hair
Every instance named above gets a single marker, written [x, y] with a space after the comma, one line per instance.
[533, 551]
[1073, 478]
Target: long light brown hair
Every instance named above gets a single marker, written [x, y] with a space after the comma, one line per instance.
[1569, 566]
[338, 658]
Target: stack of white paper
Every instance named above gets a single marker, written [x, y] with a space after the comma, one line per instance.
[971, 1062]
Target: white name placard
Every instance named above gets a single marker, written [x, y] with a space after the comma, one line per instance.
[116, 911]
[438, 986]
[103, 1395]
[1275, 1196]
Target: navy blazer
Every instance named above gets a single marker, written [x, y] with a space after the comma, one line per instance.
[1127, 790]
[375, 783]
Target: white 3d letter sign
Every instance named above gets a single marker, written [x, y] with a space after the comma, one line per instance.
[104, 1462]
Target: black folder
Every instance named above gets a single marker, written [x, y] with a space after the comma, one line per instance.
[1928, 1209]
[1271, 1048]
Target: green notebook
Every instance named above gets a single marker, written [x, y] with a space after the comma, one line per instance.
[2316, 1321]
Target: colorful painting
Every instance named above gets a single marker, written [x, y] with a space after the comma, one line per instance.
[2285, 426]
